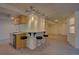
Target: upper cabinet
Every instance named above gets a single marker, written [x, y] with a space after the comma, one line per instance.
[20, 19]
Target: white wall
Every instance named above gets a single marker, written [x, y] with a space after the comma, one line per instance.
[73, 37]
[36, 23]
[70, 34]
[77, 28]
[5, 28]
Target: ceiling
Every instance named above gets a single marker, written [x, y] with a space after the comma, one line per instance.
[52, 10]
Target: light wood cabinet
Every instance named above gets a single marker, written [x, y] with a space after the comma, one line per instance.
[20, 19]
[18, 40]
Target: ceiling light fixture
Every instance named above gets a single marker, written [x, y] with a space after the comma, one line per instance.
[56, 20]
[34, 10]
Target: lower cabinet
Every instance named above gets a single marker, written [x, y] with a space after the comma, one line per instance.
[19, 40]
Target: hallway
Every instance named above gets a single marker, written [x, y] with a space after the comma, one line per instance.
[57, 45]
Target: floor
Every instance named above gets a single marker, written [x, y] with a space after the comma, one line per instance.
[56, 45]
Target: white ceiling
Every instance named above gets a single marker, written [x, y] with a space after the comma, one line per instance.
[51, 10]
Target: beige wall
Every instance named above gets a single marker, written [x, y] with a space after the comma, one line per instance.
[59, 28]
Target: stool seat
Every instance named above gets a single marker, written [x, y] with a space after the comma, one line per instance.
[45, 35]
[23, 37]
[39, 37]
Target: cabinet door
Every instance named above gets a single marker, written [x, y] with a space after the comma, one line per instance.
[18, 41]
[21, 19]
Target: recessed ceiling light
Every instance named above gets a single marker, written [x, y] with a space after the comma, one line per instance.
[56, 20]
[12, 18]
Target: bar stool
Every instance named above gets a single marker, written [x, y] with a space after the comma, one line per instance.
[45, 39]
[45, 35]
[39, 39]
[31, 41]
[29, 33]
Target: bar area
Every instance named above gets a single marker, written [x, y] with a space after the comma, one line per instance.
[30, 31]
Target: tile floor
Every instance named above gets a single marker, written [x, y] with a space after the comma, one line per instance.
[56, 45]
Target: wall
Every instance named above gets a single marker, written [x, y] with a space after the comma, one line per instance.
[70, 33]
[73, 36]
[5, 28]
[58, 28]
[77, 29]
